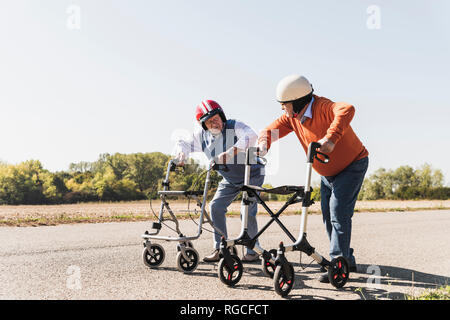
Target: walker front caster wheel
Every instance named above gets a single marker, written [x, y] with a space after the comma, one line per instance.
[282, 281]
[230, 275]
[338, 272]
[154, 256]
[190, 264]
[187, 244]
[269, 267]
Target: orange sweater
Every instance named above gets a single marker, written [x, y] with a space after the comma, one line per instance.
[330, 119]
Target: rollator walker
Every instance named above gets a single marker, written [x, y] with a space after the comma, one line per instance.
[338, 270]
[274, 262]
[187, 257]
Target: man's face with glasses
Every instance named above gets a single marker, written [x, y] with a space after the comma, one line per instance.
[214, 124]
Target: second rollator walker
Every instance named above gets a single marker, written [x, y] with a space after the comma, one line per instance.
[187, 257]
[274, 263]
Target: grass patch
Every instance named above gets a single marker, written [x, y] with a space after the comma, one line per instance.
[36, 222]
[72, 219]
[442, 293]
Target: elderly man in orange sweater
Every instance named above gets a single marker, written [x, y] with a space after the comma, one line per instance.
[318, 119]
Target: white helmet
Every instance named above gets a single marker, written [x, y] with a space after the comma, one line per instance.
[292, 88]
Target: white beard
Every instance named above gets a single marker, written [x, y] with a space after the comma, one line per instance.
[215, 132]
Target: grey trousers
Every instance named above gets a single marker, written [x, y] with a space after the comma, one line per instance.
[225, 194]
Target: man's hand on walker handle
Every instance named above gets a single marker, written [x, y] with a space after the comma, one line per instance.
[180, 159]
[326, 145]
[227, 156]
[262, 149]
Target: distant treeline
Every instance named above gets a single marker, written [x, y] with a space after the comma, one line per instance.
[118, 177]
[405, 183]
[125, 177]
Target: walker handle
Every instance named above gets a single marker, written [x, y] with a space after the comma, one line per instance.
[252, 157]
[260, 160]
[219, 166]
[312, 153]
[173, 165]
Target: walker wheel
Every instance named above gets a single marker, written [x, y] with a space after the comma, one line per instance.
[268, 266]
[187, 244]
[283, 284]
[155, 257]
[338, 272]
[184, 265]
[230, 275]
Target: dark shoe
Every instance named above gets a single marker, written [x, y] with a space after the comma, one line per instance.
[324, 278]
[353, 269]
[322, 269]
[250, 257]
[213, 257]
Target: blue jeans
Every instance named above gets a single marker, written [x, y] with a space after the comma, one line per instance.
[338, 198]
[225, 194]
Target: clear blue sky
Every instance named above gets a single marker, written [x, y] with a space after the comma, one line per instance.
[134, 72]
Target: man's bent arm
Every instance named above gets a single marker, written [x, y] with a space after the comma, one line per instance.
[342, 115]
[192, 143]
[276, 130]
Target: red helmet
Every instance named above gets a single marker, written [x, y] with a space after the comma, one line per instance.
[206, 109]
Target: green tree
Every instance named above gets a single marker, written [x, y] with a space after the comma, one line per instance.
[22, 183]
[404, 183]
[146, 170]
[54, 187]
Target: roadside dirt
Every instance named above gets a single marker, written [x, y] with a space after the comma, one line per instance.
[33, 215]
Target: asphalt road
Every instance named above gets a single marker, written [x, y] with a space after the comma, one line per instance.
[397, 254]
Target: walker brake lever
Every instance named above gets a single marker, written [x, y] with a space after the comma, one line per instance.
[326, 157]
[261, 161]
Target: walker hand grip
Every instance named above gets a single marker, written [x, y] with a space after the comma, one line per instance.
[312, 153]
[259, 160]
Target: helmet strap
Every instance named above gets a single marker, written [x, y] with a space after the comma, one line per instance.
[299, 104]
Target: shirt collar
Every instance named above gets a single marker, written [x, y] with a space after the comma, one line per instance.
[308, 112]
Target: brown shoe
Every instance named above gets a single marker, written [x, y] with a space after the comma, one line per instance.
[250, 257]
[213, 257]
